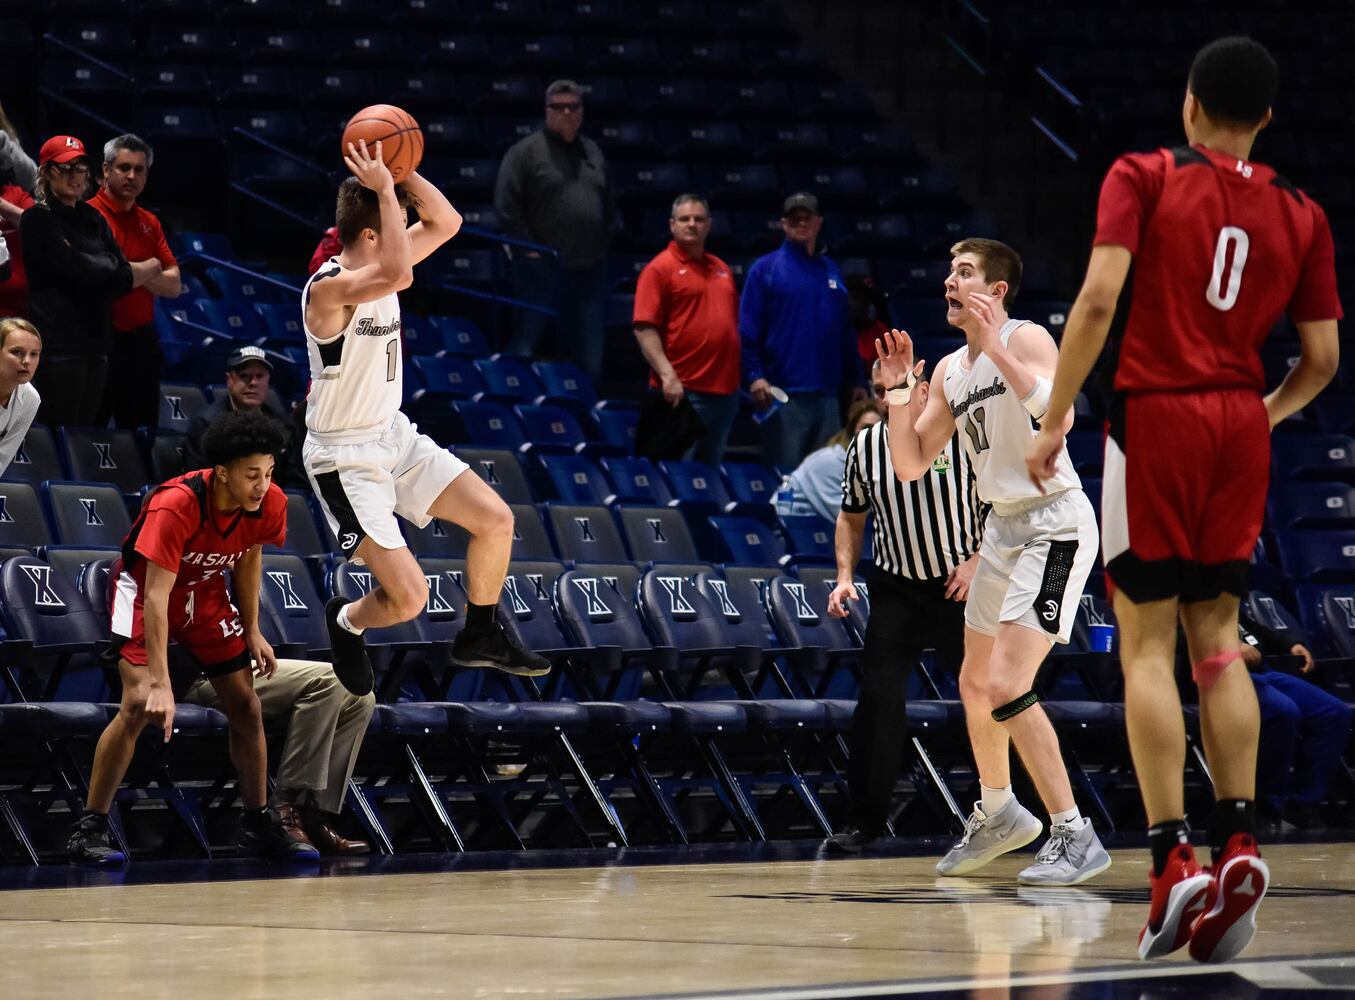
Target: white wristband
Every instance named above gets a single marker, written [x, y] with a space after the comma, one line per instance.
[902, 395]
[1036, 401]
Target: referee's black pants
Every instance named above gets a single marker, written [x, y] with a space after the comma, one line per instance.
[906, 617]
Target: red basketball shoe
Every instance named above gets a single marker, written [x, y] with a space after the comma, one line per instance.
[1180, 896]
[1235, 891]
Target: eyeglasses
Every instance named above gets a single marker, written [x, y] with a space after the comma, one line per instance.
[66, 169]
[565, 107]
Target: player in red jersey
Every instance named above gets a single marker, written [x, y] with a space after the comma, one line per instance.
[170, 584]
[1221, 247]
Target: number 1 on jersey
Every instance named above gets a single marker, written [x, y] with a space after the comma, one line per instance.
[392, 358]
[1224, 287]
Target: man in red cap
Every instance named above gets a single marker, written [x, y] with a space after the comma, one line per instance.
[75, 271]
[132, 395]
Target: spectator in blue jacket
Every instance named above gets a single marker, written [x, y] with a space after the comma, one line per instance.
[796, 330]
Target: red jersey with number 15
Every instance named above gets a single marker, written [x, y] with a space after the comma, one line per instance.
[179, 529]
[1222, 248]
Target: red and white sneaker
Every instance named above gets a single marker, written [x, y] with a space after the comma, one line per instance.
[1235, 891]
[1180, 896]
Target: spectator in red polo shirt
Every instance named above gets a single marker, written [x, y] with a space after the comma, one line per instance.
[687, 322]
[132, 394]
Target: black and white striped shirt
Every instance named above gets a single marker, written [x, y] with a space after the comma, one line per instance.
[925, 528]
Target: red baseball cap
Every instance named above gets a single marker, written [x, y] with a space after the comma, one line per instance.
[61, 149]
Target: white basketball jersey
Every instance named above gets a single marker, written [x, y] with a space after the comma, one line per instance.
[357, 377]
[996, 429]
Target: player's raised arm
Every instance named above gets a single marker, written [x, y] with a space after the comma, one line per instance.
[1084, 337]
[917, 432]
[438, 220]
[389, 264]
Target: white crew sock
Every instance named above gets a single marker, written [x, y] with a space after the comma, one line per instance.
[1071, 818]
[993, 799]
[345, 624]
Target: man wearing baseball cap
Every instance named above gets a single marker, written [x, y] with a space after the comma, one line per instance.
[75, 271]
[248, 377]
[796, 331]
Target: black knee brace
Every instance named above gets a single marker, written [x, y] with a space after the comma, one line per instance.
[1015, 707]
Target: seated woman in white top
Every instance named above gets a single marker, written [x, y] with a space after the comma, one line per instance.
[816, 486]
[20, 349]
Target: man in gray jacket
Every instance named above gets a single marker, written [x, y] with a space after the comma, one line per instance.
[552, 188]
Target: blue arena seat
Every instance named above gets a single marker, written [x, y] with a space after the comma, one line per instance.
[550, 427]
[586, 534]
[37, 459]
[657, 534]
[565, 384]
[1310, 505]
[1317, 457]
[86, 513]
[102, 455]
[489, 425]
[747, 541]
[636, 480]
[291, 611]
[180, 402]
[809, 537]
[501, 470]
[616, 420]
[22, 524]
[448, 375]
[696, 487]
[1316, 555]
[234, 319]
[750, 483]
[574, 479]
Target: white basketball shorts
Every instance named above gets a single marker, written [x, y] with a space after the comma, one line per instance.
[363, 486]
[1033, 565]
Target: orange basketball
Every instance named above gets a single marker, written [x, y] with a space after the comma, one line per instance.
[400, 136]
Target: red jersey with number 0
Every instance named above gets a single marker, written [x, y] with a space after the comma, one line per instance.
[179, 529]
[1222, 248]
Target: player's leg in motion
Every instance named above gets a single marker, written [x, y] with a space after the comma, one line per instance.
[1157, 743]
[998, 823]
[469, 502]
[1230, 726]
[1073, 853]
[89, 841]
[402, 590]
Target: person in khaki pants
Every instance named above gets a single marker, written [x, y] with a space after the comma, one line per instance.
[325, 726]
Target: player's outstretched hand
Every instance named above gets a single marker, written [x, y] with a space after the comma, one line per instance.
[1042, 455]
[160, 709]
[368, 166]
[265, 663]
[895, 349]
[842, 592]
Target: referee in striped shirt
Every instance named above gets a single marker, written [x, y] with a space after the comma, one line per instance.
[926, 540]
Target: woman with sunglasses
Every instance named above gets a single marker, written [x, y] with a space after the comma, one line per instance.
[75, 271]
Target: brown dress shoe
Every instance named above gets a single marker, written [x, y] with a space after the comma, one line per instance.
[329, 841]
[290, 820]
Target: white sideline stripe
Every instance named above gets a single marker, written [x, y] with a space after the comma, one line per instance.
[1264, 970]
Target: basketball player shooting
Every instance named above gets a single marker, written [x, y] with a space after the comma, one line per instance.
[366, 461]
[1221, 247]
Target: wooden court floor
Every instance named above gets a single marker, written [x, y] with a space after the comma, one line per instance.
[816, 927]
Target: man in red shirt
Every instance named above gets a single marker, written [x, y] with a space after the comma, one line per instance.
[687, 322]
[170, 584]
[1221, 247]
[14, 202]
[132, 392]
